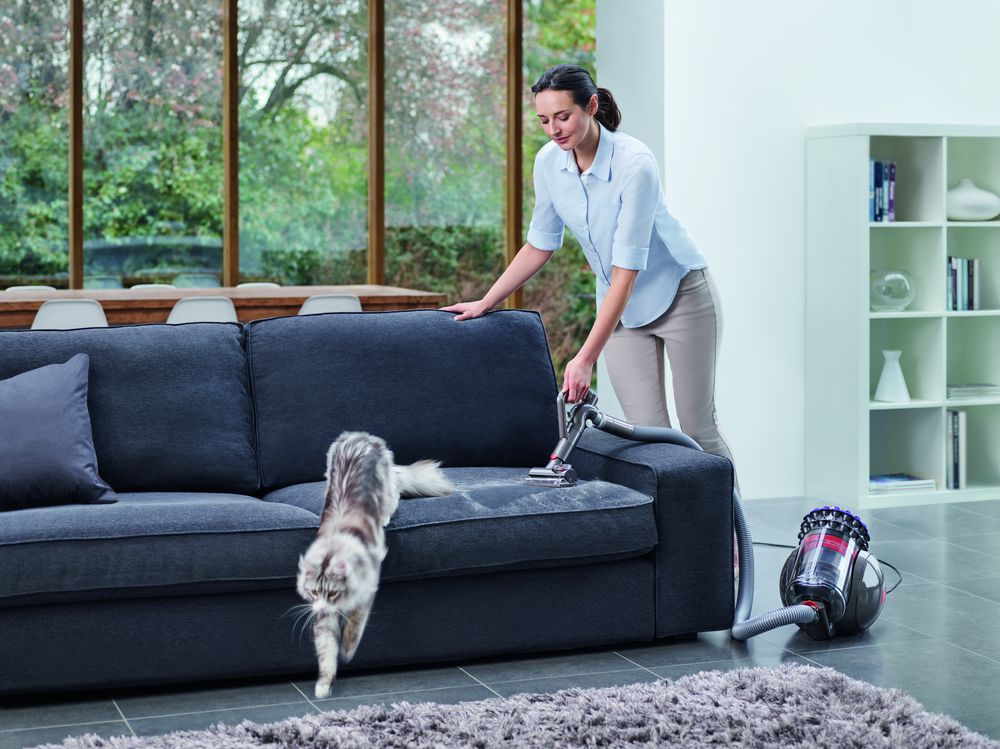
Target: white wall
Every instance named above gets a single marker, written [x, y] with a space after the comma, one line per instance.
[636, 77]
[743, 81]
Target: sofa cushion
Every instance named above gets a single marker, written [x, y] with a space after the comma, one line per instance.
[150, 544]
[478, 392]
[495, 521]
[46, 443]
[169, 404]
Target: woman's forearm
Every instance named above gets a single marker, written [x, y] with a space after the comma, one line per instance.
[622, 282]
[528, 261]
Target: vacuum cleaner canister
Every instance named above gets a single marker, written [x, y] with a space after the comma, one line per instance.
[831, 584]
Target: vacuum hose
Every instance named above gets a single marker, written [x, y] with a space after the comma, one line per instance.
[744, 595]
[798, 614]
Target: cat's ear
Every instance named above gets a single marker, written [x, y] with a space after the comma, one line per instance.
[340, 568]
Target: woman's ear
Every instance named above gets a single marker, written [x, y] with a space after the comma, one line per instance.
[592, 105]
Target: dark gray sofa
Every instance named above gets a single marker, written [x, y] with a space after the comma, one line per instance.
[214, 438]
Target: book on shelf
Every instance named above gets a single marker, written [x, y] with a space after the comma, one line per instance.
[957, 473]
[973, 390]
[963, 286]
[881, 191]
[887, 483]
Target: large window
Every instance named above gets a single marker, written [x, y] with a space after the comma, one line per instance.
[152, 171]
[445, 109]
[303, 141]
[348, 112]
[34, 140]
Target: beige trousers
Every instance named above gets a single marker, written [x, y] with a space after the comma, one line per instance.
[688, 332]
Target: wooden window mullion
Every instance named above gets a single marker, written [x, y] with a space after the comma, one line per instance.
[75, 197]
[376, 142]
[513, 187]
[230, 147]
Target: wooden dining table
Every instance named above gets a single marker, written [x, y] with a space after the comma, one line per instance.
[152, 305]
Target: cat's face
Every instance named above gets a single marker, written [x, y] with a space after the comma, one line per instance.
[336, 576]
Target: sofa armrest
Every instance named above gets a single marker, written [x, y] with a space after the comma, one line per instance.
[693, 505]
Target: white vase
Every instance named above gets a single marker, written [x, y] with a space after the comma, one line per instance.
[892, 385]
[966, 202]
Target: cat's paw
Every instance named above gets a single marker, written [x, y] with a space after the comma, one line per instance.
[322, 690]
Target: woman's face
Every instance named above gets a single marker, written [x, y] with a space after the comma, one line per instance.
[563, 121]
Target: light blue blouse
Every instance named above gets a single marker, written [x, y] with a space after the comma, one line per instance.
[617, 211]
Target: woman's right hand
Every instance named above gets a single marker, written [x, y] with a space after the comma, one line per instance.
[468, 310]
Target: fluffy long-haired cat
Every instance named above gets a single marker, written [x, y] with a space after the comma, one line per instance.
[339, 573]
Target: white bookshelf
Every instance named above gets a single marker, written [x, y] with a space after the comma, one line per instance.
[849, 436]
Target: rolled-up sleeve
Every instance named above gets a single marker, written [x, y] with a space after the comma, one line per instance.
[640, 198]
[546, 229]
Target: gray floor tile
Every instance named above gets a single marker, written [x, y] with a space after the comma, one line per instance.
[174, 701]
[988, 507]
[197, 721]
[561, 664]
[793, 639]
[944, 612]
[987, 543]
[761, 661]
[391, 682]
[941, 676]
[569, 681]
[33, 737]
[936, 559]
[778, 524]
[710, 647]
[442, 696]
[939, 521]
[39, 712]
[983, 587]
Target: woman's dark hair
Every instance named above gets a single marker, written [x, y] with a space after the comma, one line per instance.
[581, 87]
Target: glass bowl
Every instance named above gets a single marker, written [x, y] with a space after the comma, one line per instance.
[890, 290]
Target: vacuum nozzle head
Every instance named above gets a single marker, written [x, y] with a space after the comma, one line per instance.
[558, 475]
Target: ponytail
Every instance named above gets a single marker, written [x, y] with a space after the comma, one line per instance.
[608, 113]
[581, 87]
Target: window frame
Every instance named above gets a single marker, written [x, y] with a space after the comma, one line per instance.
[230, 143]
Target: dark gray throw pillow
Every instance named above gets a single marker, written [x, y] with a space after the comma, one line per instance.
[46, 444]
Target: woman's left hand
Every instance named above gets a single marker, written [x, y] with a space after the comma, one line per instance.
[576, 378]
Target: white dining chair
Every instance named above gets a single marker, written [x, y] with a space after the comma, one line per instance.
[30, 287]
[202, 309]
[317, 305]
[258, 285]
[67, 314]
[153, 286]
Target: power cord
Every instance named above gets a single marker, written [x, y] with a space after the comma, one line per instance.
[899, 574]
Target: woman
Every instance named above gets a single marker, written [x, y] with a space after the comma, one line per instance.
[654, 292]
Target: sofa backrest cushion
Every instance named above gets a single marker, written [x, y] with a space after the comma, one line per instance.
[169, 404]
[473, 393]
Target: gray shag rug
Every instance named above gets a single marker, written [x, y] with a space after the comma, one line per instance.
[760, 707]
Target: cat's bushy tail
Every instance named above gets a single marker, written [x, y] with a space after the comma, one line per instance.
[422, 479]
